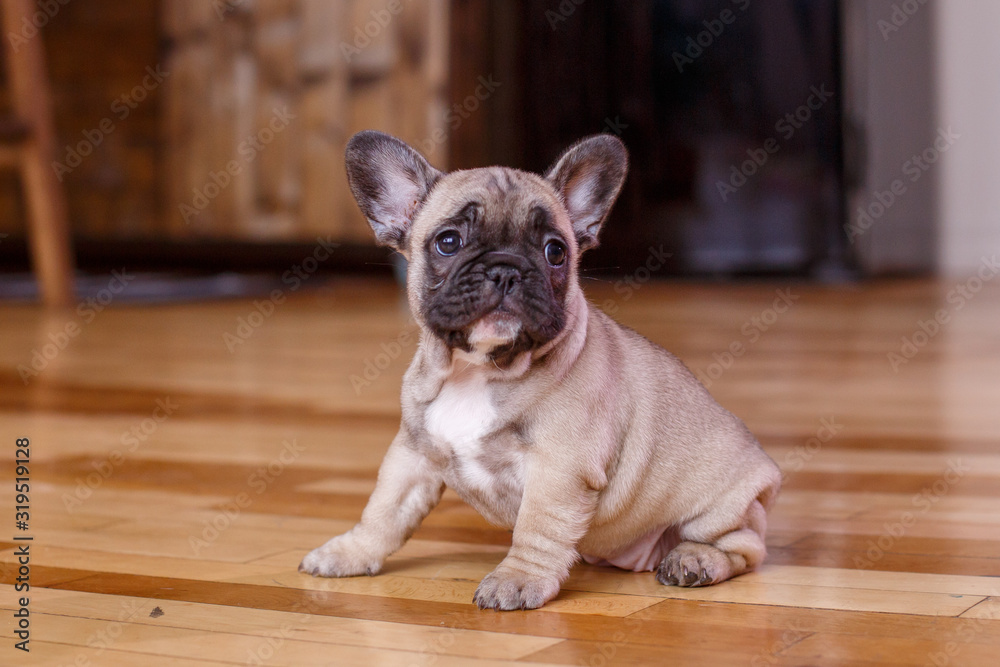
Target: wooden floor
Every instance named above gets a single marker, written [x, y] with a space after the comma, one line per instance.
[182, 463]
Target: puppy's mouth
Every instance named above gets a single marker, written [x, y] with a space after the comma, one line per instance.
[500, 337]
[494, 329]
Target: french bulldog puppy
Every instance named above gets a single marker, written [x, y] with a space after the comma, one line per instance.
[540, 411]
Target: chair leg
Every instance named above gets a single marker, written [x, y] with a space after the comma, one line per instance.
[50, 243]
[48, 224]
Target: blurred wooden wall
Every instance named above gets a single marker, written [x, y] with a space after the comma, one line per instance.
[241, 133]
[299, 77]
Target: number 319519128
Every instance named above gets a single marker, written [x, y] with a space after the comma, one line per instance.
[22, 481]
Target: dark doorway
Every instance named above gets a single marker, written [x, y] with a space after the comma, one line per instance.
[730, 109]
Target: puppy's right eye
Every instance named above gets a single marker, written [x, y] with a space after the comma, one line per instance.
[555, 253]
[448, 243]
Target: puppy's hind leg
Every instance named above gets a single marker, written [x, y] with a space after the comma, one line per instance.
[709, 553]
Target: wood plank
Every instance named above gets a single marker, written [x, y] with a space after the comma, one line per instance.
[844, 597]
[880, 650]
[216, 646]
[948, 564]
[332, 631]
[68, 654]
[796, 623]
[987, 610]
[877, 580]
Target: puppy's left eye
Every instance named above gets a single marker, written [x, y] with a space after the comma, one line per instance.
[448, 243]
[555, 253]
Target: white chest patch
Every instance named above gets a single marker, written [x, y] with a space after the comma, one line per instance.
[457, 421]
[462, 414]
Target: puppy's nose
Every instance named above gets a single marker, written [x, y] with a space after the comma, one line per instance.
[504, 276]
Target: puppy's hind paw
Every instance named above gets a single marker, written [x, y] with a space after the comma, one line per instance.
[694, 564]
[340, 557]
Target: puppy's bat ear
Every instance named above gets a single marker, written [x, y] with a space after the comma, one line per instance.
[588, 176]
[390, 181]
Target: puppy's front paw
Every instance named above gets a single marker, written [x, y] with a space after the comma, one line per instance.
[342, 556]
[694, 564]
[507, 588]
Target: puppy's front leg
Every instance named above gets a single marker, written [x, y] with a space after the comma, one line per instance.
[555, 512]
[408, 488]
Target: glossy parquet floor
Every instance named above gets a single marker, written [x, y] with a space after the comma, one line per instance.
[183, 458]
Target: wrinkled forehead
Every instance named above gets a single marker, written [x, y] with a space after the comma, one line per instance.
[506, 198]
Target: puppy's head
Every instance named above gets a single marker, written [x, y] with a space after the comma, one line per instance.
[493, 252]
